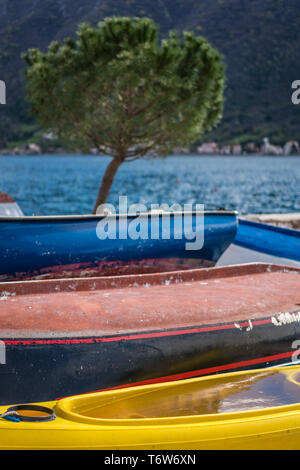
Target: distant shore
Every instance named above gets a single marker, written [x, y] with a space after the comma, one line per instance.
[291, 147]
[26, 153]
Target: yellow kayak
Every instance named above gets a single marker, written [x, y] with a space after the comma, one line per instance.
[242, 410]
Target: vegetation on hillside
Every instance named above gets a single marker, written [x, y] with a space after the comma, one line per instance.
[259, 40]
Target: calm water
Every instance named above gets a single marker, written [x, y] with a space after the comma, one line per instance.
[245, 392]
[45, 185]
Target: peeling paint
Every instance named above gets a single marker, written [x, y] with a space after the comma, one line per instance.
[5, 295]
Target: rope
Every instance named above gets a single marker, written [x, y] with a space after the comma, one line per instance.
[10, 416]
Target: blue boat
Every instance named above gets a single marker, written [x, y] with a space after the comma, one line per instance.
[92, 245]
[258, 242]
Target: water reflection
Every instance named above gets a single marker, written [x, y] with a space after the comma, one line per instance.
[246, 392]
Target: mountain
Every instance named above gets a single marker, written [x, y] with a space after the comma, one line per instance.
[259, 40]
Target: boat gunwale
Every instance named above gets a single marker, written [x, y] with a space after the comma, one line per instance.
[92, 284]
[271, 228]
[201, 419]
[36, 218]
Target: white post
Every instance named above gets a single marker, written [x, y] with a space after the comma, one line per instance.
[2, 92]
[2, 353]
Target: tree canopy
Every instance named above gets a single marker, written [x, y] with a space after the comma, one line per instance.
[120, 89]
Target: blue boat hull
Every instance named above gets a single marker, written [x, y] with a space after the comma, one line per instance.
[55, 247]
[269, 239]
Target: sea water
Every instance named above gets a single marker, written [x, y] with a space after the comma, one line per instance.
[57, 184]
[247, 392]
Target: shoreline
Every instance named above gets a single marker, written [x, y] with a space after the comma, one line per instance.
[146, 157]
[285, 220]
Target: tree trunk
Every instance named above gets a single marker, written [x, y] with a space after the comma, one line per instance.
[107, 181]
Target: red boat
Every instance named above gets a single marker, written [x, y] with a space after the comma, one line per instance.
[69, 336]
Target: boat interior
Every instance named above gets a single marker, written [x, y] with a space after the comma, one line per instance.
[227, 393]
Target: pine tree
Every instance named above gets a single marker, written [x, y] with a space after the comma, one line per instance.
[119, 89]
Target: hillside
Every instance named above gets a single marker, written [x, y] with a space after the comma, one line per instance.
[259, 40]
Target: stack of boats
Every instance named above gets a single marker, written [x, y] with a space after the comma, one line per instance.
[133, 344]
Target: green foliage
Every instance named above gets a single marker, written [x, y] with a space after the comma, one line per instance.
[118, 88]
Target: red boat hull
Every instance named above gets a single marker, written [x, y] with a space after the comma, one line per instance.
[64, 337]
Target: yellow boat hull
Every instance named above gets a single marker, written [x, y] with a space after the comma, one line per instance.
[192, 414]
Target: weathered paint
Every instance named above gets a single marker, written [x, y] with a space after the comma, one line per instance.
[65, 337]
[68, 246]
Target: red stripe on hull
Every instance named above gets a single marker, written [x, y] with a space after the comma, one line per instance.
[197, 373]
[136, 336]
[209, 370]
